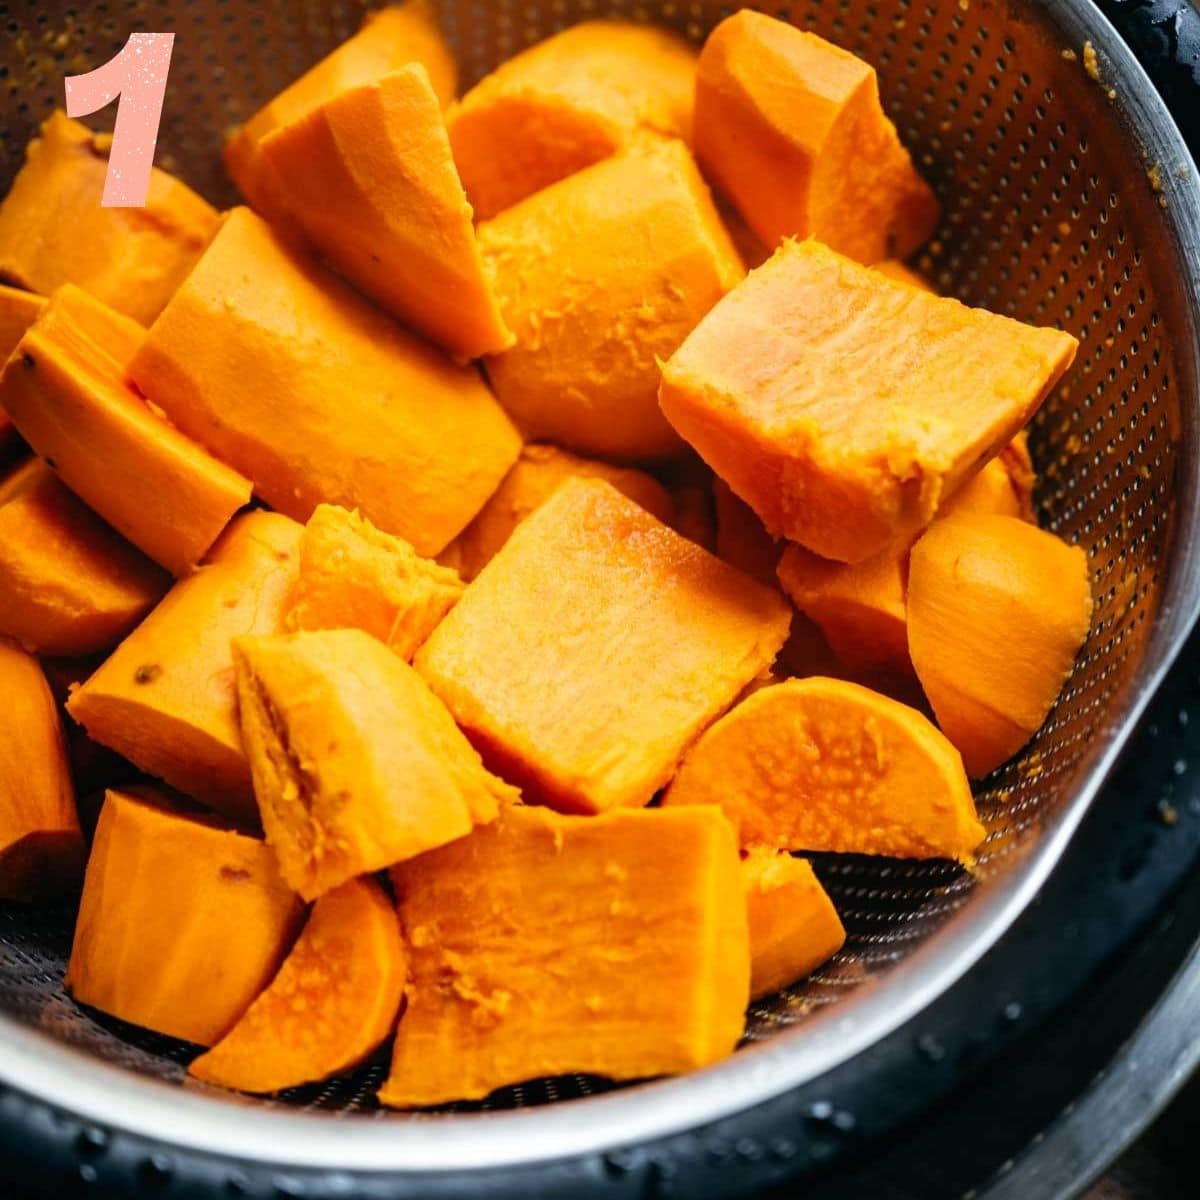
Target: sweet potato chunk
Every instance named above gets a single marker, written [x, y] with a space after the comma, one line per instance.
[538, 473]
[69, 585]
[388, 40]
[369, 179]
[600, 276]
[288, 374]
[18, 310]
[166, 699]
[794, 927]
[65, 390]
[856, 403]
[333, 1002]
[357, 765]
[997, 611]
[41, 847]
[595, 646]
[352, 576]
[1003, 488]
[791, 128]
[822, 764]
[182, 923]
[53, 229]
[566, 103]
[541, 944]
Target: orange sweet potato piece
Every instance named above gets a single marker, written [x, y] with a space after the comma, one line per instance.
[823, 764]
[334, 1001]
[595, 646]
[388, 40]
[566, 103]
[69, 585]
[18, 310]
[41, 847]
[794, 927]
[182, 923]
[600, 276]
[352, 576]
[610, 965]
[539, 471]
[997, 611]
[287, 373]
[65, 389]
[855, 403]
[791, 128]
[166, 698]
[369, 178]
[357, 765]
[53, 229]
[1004, 487]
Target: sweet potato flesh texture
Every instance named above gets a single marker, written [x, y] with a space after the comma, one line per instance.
[794, 927]
[334, 1001]
[182, 924]
[544, 944]
[287, 373]
[53, 229]
[18, 310]
[352, 576]
[368, 176]
[997, 611]
[825, 765]
[622, 641]
[166, 698]
[567, 103]
[865, 400]
[357, 765]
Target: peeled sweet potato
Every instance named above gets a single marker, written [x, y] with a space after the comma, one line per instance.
[539, 471]
[614, 945]
[356, 764]
[334, 1001]
[595, 646]
[182, 923]
[855, 404]
[41, 847]
[997, 611]
[166, 698]
[388, 40]
[826, 765]
[53, 229]
[599, 276]
[791, 128]
[69, 585]
[65, 389]
[284, 371]
[794, 927]
[570, 101]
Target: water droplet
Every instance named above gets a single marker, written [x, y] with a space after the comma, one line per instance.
[1013, 1011]
[91, 1141]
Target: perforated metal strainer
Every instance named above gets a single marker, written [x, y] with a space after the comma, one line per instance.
[1069, 199]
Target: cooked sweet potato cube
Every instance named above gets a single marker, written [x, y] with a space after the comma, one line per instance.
[595, 646]
[543, 944]
[54, 230]
[856, 403]
[825, 765]
[287, 373]
[794, 927]
[566, 103]
[182, 923]
[600, 276]
[791, 129]
[333, 1002]
[166, 698]
[352, 576]
[357, 765]
[65, 389]
[997, 611]
[369, 179]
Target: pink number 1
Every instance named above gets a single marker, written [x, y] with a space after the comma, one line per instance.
[138, 74]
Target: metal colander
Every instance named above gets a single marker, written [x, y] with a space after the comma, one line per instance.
[1069, 200]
